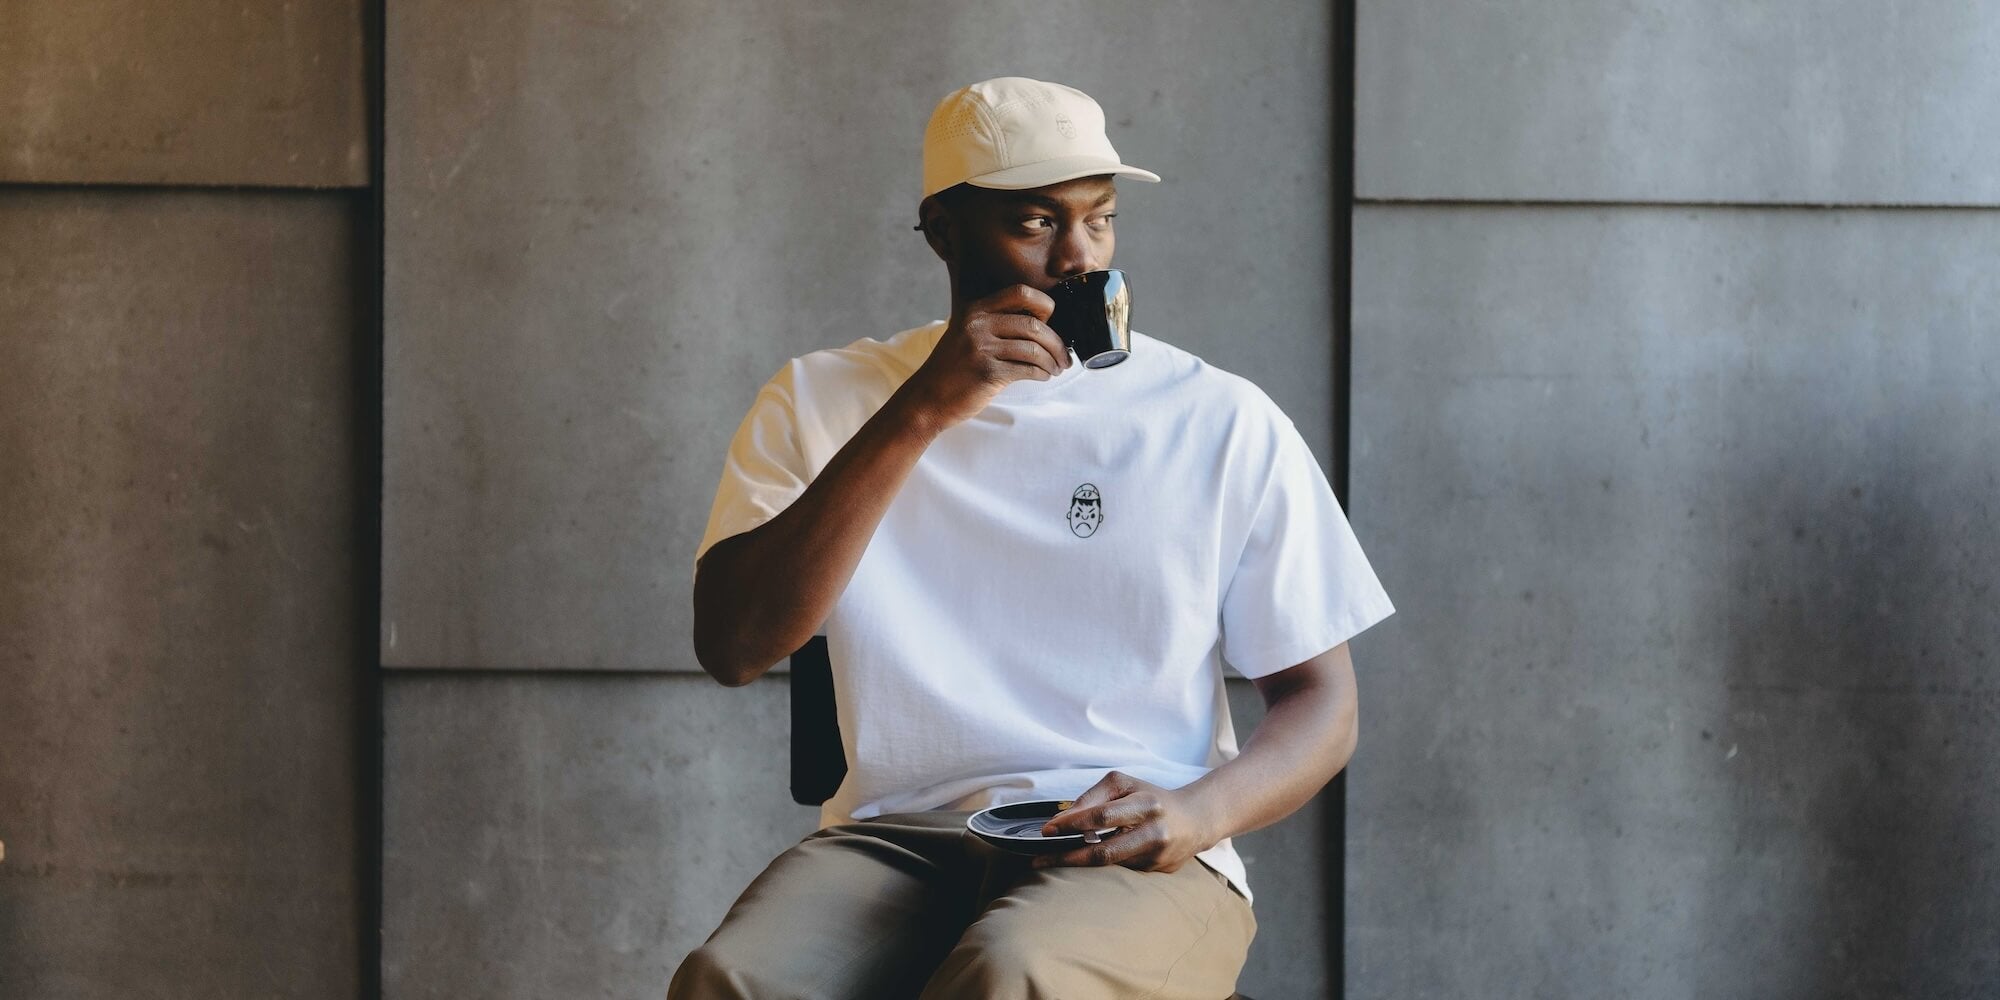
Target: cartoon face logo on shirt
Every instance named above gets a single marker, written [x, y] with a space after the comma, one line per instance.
[1086, 511]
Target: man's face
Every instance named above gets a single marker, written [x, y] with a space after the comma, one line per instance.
[1035, 237]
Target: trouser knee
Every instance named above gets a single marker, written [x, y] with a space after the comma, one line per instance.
[713, 973]
[995, 969]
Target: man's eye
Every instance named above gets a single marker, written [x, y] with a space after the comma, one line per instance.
[1037, 222]
[1104, 221]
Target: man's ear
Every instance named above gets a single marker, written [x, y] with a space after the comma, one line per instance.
[936, 224]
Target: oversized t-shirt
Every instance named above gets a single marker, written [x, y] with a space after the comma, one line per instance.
[1056, 588]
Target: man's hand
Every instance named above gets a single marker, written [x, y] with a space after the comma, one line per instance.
[1305, 738]
[1001, 338]
[1161, 828]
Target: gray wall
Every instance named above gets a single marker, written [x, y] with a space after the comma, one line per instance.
[1688, 508]
[1674, 437]
[179, 682]
[607, 225]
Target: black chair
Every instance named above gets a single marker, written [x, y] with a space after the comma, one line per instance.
[819, 759]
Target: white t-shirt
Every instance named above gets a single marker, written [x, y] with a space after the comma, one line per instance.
[1053, 593]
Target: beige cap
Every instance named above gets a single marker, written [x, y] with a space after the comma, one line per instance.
[1013, 133]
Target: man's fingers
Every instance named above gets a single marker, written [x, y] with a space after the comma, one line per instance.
[1051, 343]
[1085, 813]
[1032, 331]
[1120, 813]
[1091, 856]
[1096, 795]
[1027, 352]
[1020, 299]
[1078, 819]
[1114, 784]
[1018, 312]
[1123, 847]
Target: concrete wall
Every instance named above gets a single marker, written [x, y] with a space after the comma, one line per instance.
[208, 92]
[1688, 507]
[607, 225]
[177, 734]
[180, 681]
[1756, 101]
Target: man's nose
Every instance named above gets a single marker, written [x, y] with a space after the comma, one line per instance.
[1074, 253]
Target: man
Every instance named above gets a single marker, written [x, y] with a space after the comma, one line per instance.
[1029, 575]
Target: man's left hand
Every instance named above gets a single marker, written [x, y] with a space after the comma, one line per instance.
[1159, 829]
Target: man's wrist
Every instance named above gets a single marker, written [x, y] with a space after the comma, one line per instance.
[910, 414]
[1210, 813]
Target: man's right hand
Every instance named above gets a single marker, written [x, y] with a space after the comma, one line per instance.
[996, 340]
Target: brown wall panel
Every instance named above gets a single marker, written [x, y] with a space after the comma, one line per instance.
[177, 663]
[191, 92]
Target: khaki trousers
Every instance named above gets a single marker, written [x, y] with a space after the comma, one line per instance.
[911, 905]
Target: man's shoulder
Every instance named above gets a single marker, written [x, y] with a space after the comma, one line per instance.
[856, 371]
[896, 355]
[1184, 375]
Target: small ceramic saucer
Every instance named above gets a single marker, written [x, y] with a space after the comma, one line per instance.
[1017, 828]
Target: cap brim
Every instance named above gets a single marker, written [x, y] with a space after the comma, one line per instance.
[1066, 168]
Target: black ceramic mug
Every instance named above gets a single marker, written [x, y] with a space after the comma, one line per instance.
[1094, 315]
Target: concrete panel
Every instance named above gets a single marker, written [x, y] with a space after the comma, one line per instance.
[194, 92]
[1690, 691]
[1711, 101]
[597, 253]
[1291, 864]
[177, 765]
[570, 835]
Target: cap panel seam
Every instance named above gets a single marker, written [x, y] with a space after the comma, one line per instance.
[992, 123]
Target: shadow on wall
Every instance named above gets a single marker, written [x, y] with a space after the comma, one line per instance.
[1861, 719]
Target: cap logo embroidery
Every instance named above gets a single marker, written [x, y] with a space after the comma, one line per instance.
[1065, 126]
[1086, 511]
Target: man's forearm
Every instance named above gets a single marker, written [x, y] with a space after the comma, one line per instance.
[1306, 737]
[762, 594]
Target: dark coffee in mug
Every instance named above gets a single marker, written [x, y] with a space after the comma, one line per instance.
[1094, 315]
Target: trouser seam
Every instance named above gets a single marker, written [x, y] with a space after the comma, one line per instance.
[1192, 945]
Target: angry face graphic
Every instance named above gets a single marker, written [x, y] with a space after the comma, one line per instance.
[1086, 511]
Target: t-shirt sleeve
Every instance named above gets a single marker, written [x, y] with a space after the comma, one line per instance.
[1302, 585]
[766, 469]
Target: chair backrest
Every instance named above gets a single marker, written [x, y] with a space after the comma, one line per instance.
[819, 760]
